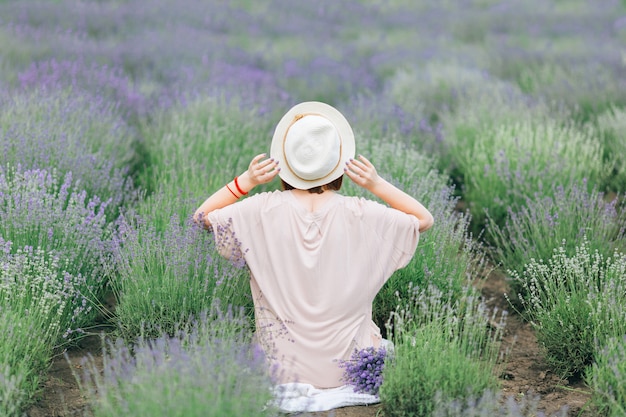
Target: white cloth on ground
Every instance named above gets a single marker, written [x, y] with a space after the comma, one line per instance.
[296, 397]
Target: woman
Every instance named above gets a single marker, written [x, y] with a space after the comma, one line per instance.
[316, 258]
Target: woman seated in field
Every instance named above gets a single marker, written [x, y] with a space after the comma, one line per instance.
[316, 258]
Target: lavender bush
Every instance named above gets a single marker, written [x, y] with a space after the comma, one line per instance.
[38, 209]
[430, 363]
[444, 351]
[611, 125]
[67, 132]
[512, 162]
[165, 277]
[441, 87]
[446, 257]
[594, 84]
[575, 304]
[35, 281]
[40, 305]
[102, 84]
[490, 403]
[210, 368]
[25, 352]
[562, 219]
[607, 377]
[195, 148]
[475, 121]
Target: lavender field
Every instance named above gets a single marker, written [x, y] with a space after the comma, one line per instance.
[507, 119]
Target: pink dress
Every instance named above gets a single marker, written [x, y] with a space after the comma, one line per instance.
[314, 275]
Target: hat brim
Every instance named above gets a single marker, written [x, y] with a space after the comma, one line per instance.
[343, 128]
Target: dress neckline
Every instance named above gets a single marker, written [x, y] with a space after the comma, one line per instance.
[320, 210]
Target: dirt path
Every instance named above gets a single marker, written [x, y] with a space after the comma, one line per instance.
[525, 368]
[61, 396]
[525, 371]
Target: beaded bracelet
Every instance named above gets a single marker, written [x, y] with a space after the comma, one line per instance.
[239, 189]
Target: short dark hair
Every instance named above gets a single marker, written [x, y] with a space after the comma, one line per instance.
[334, 185]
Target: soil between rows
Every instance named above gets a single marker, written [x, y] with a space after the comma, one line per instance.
[525, 371]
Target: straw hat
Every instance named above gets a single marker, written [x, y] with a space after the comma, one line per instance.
[312, 143]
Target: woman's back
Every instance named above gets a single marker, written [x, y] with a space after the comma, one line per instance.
[314, 274]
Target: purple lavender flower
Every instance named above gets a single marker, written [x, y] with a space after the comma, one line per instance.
[364, 369]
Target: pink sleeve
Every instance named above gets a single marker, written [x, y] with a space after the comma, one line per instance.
[231, 224]
[225, 241]
[397, 232]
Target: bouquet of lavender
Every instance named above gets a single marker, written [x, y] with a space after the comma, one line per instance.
[364, 369]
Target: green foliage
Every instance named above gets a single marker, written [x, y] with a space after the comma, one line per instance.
[167, 273]
[208, 369]
[594, 84]
[25, 352]
[611, 126]
[52, 224]
[40, 306]
[18, 53]
[544, 224]
[506, 164]
[422, 369]
[192, 150]
[70, 133]
[607, 378]
[575, 304]
[441, 87]
[444, 351]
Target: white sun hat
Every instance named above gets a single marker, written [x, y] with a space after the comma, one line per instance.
[312, 143]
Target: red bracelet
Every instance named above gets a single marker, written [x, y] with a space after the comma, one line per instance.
[239, 189]
[231, 191]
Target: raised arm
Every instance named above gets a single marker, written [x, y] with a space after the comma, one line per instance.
[260, 171]
[364, 174]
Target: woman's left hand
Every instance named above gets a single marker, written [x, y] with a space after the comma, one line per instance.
[362, 172]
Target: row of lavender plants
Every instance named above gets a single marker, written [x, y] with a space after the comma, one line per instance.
[62, 179]
[119, 119]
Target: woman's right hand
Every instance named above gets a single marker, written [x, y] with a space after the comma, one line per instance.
[260, 171]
